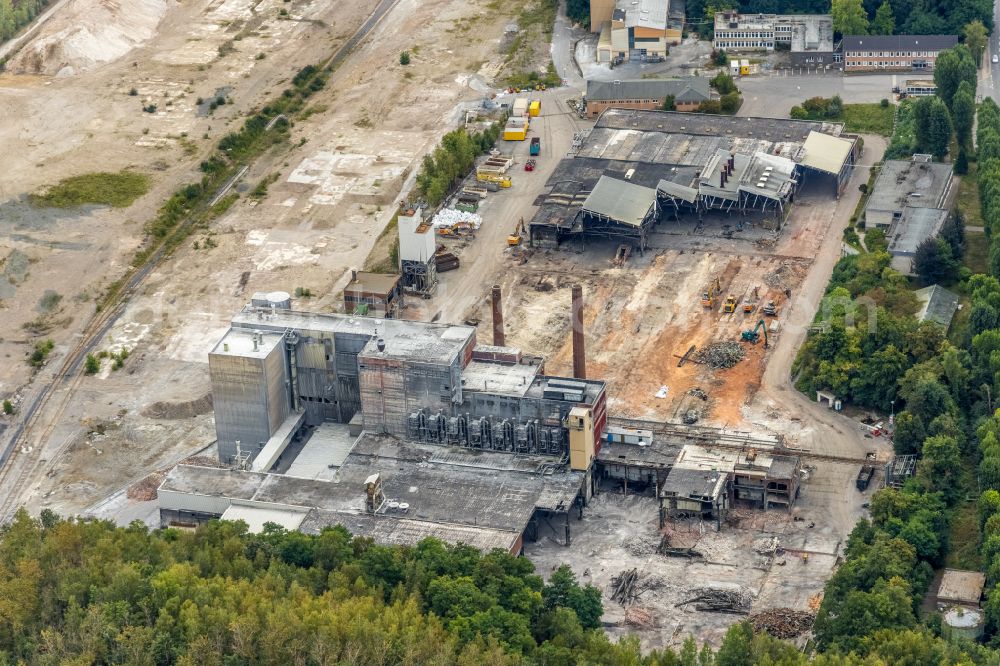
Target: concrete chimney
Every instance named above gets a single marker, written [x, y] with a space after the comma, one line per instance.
[498, 337]
[732, 163]
[579, 351]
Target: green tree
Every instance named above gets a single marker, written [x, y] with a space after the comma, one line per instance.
[933, 261]
[91, 365]
[941, 464]
[669, 103]
[404, 58]
[723, 83]
[8, 407]
[884, 22]
[562, 591]
[953, 233]
[963, 112]
[933, 126]
[849, 17]
[951, 67]
[909, 435]
[975, 34]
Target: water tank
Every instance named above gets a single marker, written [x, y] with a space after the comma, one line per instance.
[280, 300]
[964, 622]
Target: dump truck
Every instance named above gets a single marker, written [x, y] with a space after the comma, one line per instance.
[536, 146]
[535, 107]
[867, 472]
[730, 305]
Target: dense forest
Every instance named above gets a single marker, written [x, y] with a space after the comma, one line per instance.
[14, 16]
[86, 592]
[904, 17]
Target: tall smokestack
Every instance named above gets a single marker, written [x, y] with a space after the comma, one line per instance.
[732, 163]
[497, 317]
[579, 352]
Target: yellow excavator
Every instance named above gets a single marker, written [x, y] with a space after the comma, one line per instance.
[708, 297]
[515, 238]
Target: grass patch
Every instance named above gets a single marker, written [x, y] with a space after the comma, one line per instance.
[968, 197]
[977, 252]
[117, 190]
[964, 538]
[868, 118]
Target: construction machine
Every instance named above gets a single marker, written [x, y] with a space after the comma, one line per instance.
[515, 238]
[752, 335]
[771, 310]
[750, 305]
[730, 305]
[708, 297]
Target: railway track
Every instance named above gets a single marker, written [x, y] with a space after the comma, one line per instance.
[730, 440]
[17, 471]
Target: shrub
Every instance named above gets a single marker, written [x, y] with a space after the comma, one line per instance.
[8, 407]
[133, 92]
[92, 365]
[884, 103]
[404, 58]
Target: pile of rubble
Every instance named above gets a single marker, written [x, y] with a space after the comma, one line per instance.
[716, 600]
[778, 279]
[145, 490]
[723, 354]
[640, 546]
[782, 622]
[642, 618]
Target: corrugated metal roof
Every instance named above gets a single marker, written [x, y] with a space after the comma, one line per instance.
[621, 201]
[677, 190]
[826, 153]
[690, 89]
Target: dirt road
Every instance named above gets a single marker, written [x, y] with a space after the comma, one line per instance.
[814, 427]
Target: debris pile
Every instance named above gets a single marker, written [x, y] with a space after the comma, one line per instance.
[736, 600]
[778, 278]
[640, 546]
[723, 354]
[782, 622]
[450, 218]
[145, 490]
[698, 393]
[203, 461]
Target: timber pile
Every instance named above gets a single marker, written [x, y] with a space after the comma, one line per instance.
[720, 601]
[623, 587]
[723, 354]
[782, 622]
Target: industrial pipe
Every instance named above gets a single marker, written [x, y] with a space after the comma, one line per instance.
[579, 352]
[498, 337]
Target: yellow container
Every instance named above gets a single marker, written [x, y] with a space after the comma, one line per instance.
[515, 133]
[535, 107]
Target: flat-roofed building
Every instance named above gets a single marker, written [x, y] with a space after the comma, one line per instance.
[809, 37]
[873, 53]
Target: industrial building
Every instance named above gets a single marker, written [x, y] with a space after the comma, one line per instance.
[808, 37]
[633, 30]
[417, 247]
[909, 201]
[873, 53]
[465, 442]
[697, 471]
[646, 94]
[916, 183]
[374, 294]
[635, 169]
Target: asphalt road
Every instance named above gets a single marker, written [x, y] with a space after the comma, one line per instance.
[989, 73]
[774, 95]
